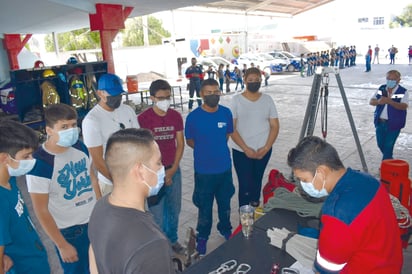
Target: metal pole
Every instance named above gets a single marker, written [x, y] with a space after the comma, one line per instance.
[351, 122]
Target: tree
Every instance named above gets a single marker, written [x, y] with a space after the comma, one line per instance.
[133, 34]
[83, 39]
[74, 40]
[403, 20]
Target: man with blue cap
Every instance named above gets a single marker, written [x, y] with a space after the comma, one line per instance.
[107, 117]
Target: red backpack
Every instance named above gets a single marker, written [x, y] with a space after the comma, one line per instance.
[276, 179]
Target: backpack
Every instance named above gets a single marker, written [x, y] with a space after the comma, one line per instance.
[276, 179]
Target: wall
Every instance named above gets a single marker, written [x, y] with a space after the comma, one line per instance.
[4, 64]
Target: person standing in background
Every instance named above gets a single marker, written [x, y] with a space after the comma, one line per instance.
[368, 58]
[256, 127]
[391, 101]
[194, 74]
[392, 52]
[376, 55]
[227, 78]
[221, 76]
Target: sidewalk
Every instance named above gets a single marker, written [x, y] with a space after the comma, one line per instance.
[291, 92]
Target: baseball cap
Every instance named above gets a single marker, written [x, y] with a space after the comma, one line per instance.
[111, 83]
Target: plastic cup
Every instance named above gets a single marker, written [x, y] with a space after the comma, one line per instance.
[246, 219]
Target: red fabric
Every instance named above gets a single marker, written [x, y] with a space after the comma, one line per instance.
[365, 243]
[276, 179]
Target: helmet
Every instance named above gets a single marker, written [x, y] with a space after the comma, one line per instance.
[39, 64]
[72, 61]
[48, 73]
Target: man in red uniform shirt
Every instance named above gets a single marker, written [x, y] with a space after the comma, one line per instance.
[359, 231]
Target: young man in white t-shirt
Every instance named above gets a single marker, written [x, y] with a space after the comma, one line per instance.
[107, 117]
[61, 190]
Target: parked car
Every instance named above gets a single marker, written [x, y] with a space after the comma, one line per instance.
[294, 61]
[213, 61]
[265, 62]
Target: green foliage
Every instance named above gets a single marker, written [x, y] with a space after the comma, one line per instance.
[74, 40]
[403, 20]
[132, 36]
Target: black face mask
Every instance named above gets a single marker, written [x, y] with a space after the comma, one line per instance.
[114, 102]
[212, 100]
[253, 86]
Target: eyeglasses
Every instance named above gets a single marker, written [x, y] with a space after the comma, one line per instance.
[121, 125]
[162, 98]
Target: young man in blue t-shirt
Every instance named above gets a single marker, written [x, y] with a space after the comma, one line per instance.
[207, 130]
[21, 250]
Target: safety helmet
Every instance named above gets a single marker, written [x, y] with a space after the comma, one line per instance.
[72, 61]
[38, 64]
[48, 73]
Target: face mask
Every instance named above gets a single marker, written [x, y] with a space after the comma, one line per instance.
[25, 166]
[253, 86]
[114, 102]
[68, 137]
[212, 100]
[163, 105]
[391, 83]
[160, 181]
[310, 189]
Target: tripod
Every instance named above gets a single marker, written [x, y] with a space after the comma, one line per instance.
[318, 97]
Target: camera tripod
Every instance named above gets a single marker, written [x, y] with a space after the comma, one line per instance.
[318, 98]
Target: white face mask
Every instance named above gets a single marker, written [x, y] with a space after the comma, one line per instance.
[160, 181]
[310, 189]
[25, 166]
[68, 137]
[163, 105]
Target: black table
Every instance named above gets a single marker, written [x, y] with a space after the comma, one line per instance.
[255, 251]
[285, 218]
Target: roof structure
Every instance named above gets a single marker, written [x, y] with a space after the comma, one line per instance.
[47, 16]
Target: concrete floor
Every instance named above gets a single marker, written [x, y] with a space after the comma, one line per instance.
[290, 92]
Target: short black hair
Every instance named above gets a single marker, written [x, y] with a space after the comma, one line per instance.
[127, 147]
[15, 136]
[312, 152]
[57, 112]
[157, 85]
[252, 70]
[209, 82]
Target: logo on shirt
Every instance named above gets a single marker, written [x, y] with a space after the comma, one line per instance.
[75, 179]
[20, 205]
[221, 124]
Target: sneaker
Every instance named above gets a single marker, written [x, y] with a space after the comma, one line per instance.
[178, 248]
[225, 235]
[201, 246]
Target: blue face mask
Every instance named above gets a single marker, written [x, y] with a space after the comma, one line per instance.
[25, 166]
[310, 189]
[160, 181]
[391, 83]
[68, 137]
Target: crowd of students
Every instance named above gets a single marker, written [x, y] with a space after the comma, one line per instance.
[92, 198]
[341, 57]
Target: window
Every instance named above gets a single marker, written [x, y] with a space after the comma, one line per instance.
[378, 20]
[363, 20]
